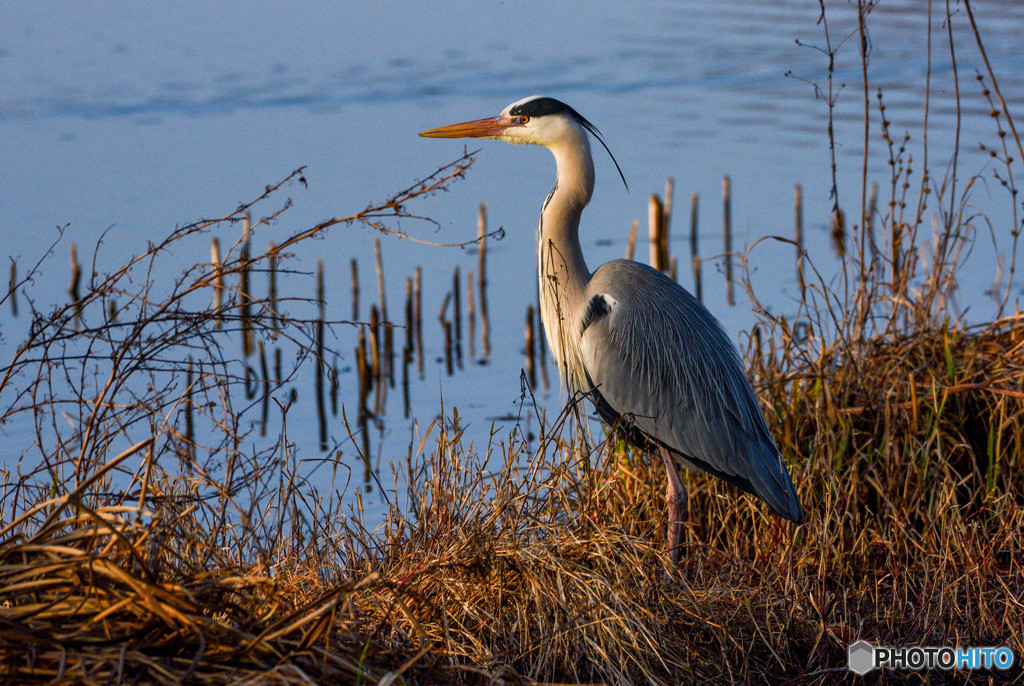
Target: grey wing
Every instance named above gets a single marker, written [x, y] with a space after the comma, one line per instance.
[663, 364]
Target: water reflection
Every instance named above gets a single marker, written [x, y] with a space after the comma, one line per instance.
[148, 118]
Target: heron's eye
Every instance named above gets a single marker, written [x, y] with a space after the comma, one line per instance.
[524, 120]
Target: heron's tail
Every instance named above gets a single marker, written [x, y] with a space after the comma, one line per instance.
[771, 483]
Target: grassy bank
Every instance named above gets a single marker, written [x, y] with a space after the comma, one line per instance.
[551, 567]
[144, 540]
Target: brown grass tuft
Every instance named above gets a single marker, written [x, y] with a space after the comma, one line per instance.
[144, 542]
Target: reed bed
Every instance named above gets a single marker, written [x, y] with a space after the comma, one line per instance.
[145, 540]
[547, 565]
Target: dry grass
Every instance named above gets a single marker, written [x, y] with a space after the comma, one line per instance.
[551, 567]
[142, 543]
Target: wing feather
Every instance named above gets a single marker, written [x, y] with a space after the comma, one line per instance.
[664, 364]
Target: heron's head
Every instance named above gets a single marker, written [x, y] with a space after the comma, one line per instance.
[537, 119]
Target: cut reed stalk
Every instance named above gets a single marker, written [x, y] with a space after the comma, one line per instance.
[727, 237]
[457, 315]
[694, 253]
[418, 317]
[75, 286]
[631, 243]
[388, 355]
[656, 230]
[798, 211]
[666, 227]
[446, 327]
[406, 395]
[531, 370]
[354, 269]
[265, 397]
[485, 322]
[410, 326]
[218, 281]
[471, 312]
[244, 296]
[335, 385]
[377, 375]
[272, 287]
[319, 369]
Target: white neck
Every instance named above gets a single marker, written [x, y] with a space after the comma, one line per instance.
[561, 269]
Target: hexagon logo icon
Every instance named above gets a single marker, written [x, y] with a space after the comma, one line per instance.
[862, 657]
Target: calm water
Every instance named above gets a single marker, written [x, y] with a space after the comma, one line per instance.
[142, 117]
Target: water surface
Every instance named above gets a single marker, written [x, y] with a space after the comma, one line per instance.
[141, 117]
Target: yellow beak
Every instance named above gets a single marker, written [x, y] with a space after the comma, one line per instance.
[479, 128]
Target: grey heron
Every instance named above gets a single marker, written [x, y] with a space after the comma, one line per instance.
[651, 357]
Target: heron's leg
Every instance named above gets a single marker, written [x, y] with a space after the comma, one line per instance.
[678, 513]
